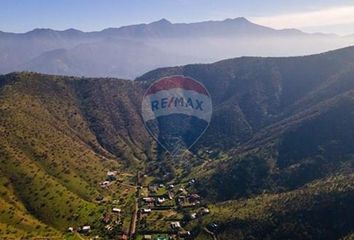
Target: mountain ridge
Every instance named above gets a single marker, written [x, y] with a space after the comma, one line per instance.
[162, 21]
[111, 52]
[165, 22]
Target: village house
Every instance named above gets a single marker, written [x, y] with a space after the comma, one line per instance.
[111, 176]
[112, 173]
[147, 237]
[105, 184]
[106, 219]
[116, 210]
[146, 210]
[85, 229]
[204, 211]
[161, 200]
[175, 225]
[193, 198]
[109, 227]
[170, 195]
[193, 216]
[149, 200]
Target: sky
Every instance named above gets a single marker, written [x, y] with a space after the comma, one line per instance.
[329, 16]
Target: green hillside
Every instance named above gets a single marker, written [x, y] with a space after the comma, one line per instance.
[52, 161]
[320, 210]
[276, 162]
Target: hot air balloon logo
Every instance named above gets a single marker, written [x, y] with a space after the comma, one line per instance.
[176, 111]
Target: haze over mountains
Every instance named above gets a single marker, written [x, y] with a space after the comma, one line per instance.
[129, 51]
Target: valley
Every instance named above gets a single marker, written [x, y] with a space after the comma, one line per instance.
[76, 161]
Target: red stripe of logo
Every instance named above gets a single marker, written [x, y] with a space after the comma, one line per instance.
[177, 82]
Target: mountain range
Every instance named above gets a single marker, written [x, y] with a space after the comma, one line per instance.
[275, 163]
[130, 51]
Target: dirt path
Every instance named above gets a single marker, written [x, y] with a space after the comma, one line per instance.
[134, 220]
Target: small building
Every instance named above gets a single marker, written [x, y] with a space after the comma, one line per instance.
[146, 210]
[105, 184]
[112, 173]
[161, 200]
[193, 216]
[204, 211]
[171, 186]
[116, 210]
[70, 229]
[194, 197]
[182, 191]
[147, 237]
[175, 225]
[109, 227]
[106, 219]
[170, 195]
[149, 200]
[86, 229]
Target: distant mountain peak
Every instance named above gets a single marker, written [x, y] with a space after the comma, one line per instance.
[71, 30]
[238, 19]
[39, 30]
[162, 21]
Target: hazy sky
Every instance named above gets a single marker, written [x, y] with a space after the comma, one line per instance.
[335, 16]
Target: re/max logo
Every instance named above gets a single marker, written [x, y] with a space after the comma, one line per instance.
[177, 102]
